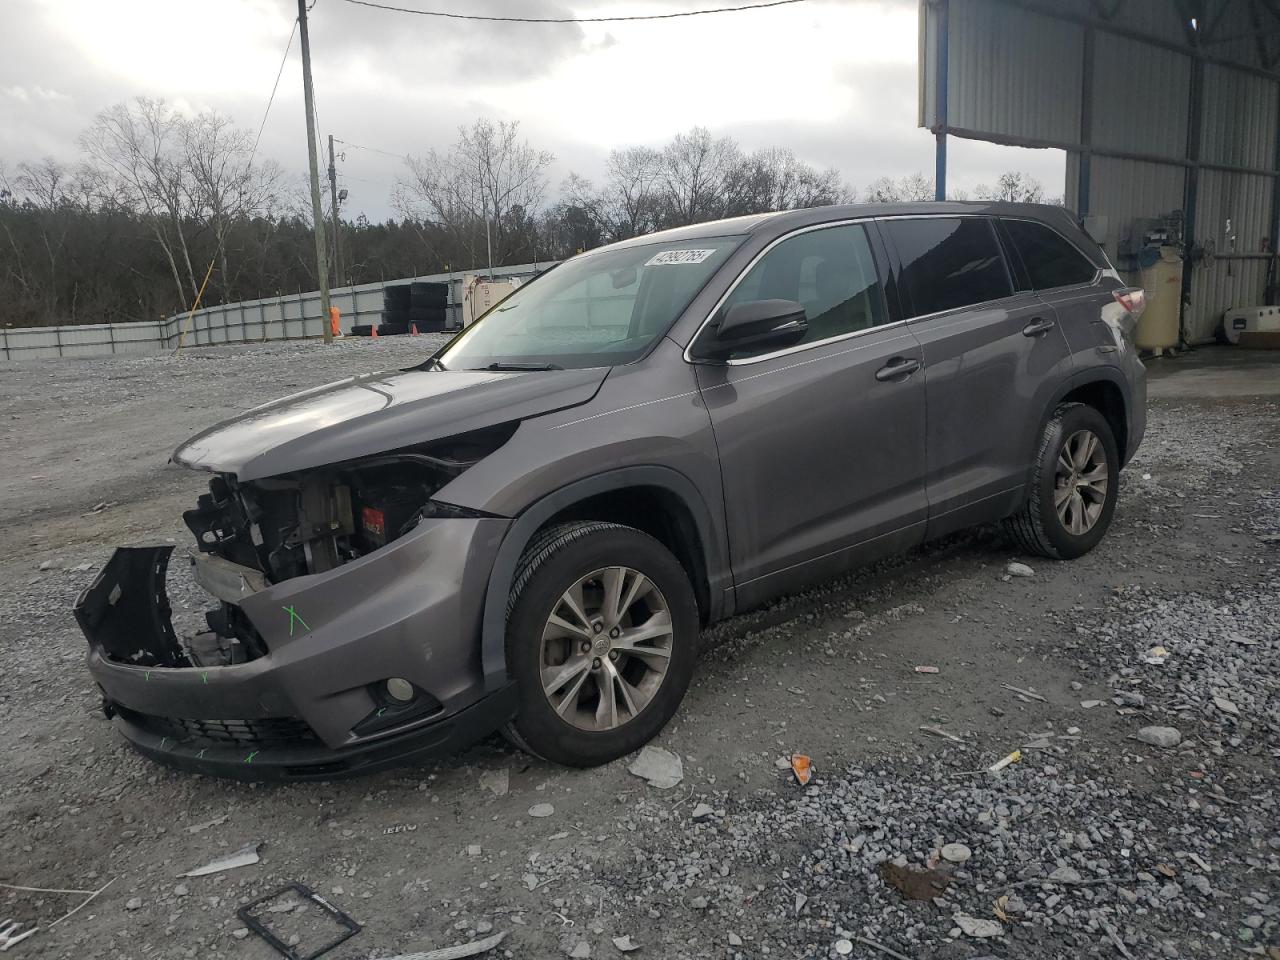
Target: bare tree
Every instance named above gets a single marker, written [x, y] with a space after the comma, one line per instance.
[631, 192]
[583, 204]
[883, 190]
[222, 183]
[483, 177]
[913, 187]
[1013, 186]
[775, 179]
[629, 203]
[696, 168]
[916, 186]
[43, 187]
[44, 183]
[140, 143]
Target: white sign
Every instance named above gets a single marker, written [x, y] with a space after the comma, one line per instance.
[667, 257]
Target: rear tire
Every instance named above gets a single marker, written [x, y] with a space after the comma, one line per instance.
[1073, 488]
[620, 692]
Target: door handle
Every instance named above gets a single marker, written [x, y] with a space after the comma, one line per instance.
[899, 368]
[1037, 326]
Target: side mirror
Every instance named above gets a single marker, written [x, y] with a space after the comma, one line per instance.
[757, 324]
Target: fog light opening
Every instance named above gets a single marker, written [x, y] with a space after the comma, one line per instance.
[400, 690]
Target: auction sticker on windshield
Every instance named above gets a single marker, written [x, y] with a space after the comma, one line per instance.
[667, 257]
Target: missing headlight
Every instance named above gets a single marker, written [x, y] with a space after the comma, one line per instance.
[314, 521]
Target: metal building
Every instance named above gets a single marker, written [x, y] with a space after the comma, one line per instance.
[1169, 111]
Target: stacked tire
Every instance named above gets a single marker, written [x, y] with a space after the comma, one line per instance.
[395, 311]
[406, 305]
[428, 306]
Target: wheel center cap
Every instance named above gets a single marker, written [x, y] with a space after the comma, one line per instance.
[600, 646]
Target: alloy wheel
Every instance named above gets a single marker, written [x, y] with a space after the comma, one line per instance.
[1080, 482]
[605, 648]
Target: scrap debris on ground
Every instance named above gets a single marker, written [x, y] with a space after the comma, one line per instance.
[1090, 770]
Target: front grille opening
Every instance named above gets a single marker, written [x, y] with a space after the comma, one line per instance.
[254, 734]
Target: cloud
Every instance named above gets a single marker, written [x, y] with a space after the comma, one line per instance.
[418, 48]
[33, 93]
[833, 80]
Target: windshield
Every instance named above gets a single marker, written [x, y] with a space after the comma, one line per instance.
[599, 309]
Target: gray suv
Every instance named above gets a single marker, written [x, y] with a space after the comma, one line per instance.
[527, 531]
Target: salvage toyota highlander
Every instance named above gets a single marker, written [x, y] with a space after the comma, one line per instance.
[526, 532]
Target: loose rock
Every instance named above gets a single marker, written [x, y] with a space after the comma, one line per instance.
[955, 853]
[660, 767]
[978, 927]
[1160, 736]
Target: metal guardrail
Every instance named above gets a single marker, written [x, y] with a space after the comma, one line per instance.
[293, 316]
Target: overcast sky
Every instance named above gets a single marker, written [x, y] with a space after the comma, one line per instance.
[833, 80]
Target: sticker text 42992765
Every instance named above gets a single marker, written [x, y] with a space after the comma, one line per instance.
[676, 257]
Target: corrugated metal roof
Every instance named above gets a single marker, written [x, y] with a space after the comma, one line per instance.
[1155, 18]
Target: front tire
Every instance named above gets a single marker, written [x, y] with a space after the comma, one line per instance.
[1074, 486]
[602, 628]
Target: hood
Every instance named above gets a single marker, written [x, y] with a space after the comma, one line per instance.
[361, 416]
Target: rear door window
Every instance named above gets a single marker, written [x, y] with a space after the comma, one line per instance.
[948, 262]
[1050, 259]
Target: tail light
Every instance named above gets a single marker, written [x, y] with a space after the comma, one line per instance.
[1133, 299]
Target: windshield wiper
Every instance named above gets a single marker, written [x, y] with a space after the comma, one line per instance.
[435, 364]
[500, 365]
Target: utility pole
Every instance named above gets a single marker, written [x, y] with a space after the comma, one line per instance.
[488, 240]
[333, 209]
[317, 213]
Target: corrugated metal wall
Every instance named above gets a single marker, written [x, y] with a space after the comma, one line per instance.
[1124, 190]
[996, 48]
[1239, 118]
[1015, 74]
[1233, 215]
[1140, 98]
[290, 317]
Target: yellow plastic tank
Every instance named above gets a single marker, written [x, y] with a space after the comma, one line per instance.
[1158, 325]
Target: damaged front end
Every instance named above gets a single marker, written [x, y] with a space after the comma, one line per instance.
[272, 530]
[346, 603]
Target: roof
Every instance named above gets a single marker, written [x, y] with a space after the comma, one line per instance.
[785, 220]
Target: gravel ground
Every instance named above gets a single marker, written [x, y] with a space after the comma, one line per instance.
[1098, 842]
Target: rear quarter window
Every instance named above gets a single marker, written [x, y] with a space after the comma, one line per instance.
[1049, 258]
[949, 262]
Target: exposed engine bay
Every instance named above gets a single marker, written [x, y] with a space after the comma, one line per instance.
[251, 535]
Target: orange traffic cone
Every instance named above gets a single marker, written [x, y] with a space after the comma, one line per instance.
[413, 329]
[335, 326]
[373, 331]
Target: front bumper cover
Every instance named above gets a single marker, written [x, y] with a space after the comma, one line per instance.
[308, 709]
[306, 759]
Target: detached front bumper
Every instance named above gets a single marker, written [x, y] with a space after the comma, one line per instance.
[311, 707]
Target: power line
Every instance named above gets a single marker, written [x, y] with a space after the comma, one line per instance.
[195, 304]
[648, 16]
[385, 153]
[272, 99]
